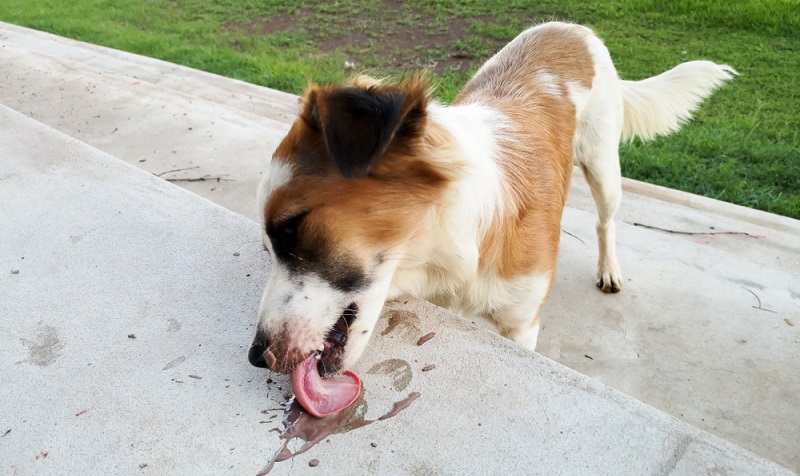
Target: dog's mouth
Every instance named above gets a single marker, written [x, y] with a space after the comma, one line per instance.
[318, 383]
[333, 347]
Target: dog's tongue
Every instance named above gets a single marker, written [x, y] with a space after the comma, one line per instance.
[323, 397]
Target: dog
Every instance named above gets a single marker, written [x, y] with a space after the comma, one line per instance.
[379, 191]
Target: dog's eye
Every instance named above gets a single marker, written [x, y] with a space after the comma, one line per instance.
[285, 235]
[289, 237]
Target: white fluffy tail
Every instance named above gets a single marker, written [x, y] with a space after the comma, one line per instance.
[662, 104]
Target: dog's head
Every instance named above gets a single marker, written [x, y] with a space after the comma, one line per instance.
[345, 189]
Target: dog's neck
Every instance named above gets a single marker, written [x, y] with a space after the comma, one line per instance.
[444, 249]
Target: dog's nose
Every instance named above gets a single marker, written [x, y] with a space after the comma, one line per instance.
[259, 348]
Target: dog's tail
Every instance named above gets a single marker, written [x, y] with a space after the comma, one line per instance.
[662, 104]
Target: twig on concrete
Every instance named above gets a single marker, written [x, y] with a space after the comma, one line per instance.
[679, 232]
[177, 170]
[200, 179]
[574, 236]
[759, 302]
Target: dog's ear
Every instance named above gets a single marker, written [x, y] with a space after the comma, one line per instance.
[359, 124]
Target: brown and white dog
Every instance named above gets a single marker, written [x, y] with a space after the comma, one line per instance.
[378, 191]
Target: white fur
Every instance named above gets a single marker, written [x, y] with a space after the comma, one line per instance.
[370, 305]
[308, 306]
[549, 84]
[615, 110]
[518, 305]
[661, 104]
[278, 173]
[446, 247]
[596, 148]
[439, 260]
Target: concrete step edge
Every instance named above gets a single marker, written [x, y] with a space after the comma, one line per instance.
[268, 122]
[229, 92]
[712, 205]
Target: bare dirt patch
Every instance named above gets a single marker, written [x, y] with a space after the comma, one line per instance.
[388, 35]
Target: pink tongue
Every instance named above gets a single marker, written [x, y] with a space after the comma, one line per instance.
[323, 397]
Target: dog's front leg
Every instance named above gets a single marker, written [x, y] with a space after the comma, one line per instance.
[519, 320]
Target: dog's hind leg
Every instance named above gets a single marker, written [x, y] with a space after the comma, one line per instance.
[605, 183]
[607, 192]
[597, 152]
[596, 148]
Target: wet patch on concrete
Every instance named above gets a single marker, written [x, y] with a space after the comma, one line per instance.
[45, 349]
[174, 325]
[398, 369]
[613, 319]
[401, 322]
[305, 428]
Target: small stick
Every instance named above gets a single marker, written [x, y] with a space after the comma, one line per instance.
[679, 232]
[177, 170]
[199, 179]
[759, 302]
[574, 236]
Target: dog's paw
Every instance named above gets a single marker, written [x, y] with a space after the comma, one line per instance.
[609, 282]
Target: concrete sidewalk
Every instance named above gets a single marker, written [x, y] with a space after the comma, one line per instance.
[125, 326]
[705, 328]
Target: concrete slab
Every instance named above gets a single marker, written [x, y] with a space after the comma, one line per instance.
[702, 329]
[164, 131]
[124, 333]
[239, 95]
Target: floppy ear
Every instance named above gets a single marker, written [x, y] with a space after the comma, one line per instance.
[359, 125]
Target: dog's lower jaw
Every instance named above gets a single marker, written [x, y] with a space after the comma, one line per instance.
[370, 306]
[355, 349]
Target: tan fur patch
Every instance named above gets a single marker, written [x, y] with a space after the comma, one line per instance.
[536, 151]
[556, 49]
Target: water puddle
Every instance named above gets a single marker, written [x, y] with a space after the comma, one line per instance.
[299, 425]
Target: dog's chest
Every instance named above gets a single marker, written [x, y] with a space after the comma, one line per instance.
[465, 295]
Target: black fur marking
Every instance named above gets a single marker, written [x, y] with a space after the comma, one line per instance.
[343, 275]
[359, 125]
[305, 252]
[285, 236]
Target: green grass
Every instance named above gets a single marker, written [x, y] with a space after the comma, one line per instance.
[742, 147]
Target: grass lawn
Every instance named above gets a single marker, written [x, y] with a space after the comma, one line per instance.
[742, 147]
